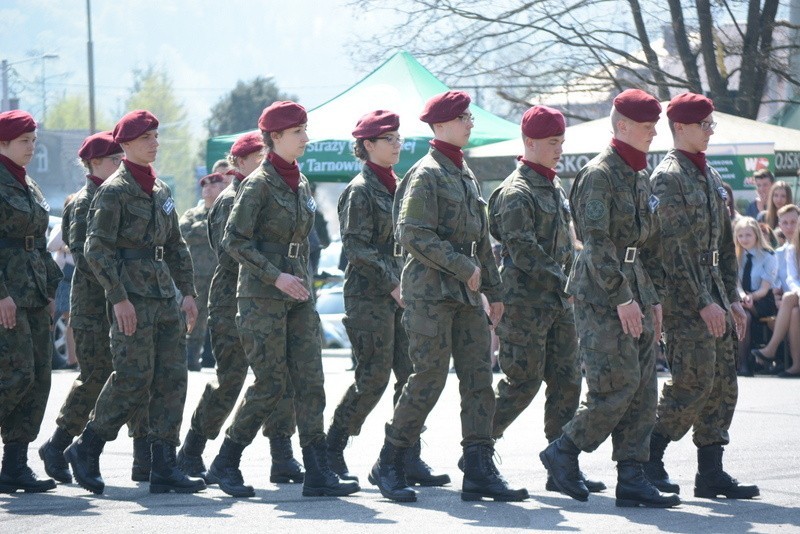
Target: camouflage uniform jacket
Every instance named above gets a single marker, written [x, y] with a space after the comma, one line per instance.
[28, 277]
[87, 298]
[436, 206]
[530, 216]
[614, 208]
[694, 223]
[266, 213]
[194, 229]
[223, 285]
[365, 220]
[123, 216]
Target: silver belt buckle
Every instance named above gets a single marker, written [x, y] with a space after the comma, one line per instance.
[294, 250]
[397, 250]
[29, 243]
[630, 254]
[159, 253]
[715, 258]
[473, 249]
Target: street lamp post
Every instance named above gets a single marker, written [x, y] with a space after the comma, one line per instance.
[5, 105]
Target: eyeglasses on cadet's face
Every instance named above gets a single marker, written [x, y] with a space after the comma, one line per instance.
[706, 125]
[116, 160]
[467, 117]
[392, 139]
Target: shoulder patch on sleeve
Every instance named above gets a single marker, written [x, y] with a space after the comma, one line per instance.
[595, 210]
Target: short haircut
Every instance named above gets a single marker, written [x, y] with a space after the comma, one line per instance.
[788, 208]
[760, 174]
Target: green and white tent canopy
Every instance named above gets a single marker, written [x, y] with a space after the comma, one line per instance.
[401, 85]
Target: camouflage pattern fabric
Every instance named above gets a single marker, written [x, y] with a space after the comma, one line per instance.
[194, 229]
[703, 388]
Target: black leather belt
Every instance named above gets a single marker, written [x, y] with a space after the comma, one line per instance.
[468, 249]
[150, 253]
[391, 249]
[29, 243]
[709, 258]
[291, 250]
[630, 254]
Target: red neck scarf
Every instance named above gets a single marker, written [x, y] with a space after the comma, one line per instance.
[239, 176]
[16, 171]
[385, 175]
[290, 172]
[636, 159]
[97, 181]
[452, 152]
[143, 174]
[547, 172]
[698, 159]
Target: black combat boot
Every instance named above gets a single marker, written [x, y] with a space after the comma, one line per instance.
[165, 475]
[320, 480]
[418, 472]
[52, 454]
[225, 471]
[633, 488]
[654, 468]
[388, 474]
[284, 467]
[482, 479]
[335, 444]
[560, 458]
[84, 457]
[594, 486]
[15, 473]
[711, 480]
[190, 457]
[142, 460]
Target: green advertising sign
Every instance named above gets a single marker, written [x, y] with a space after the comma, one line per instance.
[737, 169]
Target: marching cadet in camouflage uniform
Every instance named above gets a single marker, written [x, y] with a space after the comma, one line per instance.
[194, 229]
[101, 156]
[267, 233]
[701, 299]
[372, 300]
[619, 268]
[219, 396]
[28, 281]
[135, 249]
[441, 222]
[529, 215]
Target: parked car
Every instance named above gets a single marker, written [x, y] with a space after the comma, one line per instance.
[330, 306]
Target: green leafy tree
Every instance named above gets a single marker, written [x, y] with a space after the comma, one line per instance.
[152, 90]
[238, 111]
[71, 112]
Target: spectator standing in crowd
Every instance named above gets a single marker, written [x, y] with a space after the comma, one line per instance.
[222, 166]
[620, 266]
[219, 396]
[57, 246]
[780, 195]
[194, 229]
[758, 271]
[101, 157]
[373, 307]
[763, 181]
[135, 249]
[441, 223]
[529, 215]
[701, 305]
[267, 233]
[27, 292]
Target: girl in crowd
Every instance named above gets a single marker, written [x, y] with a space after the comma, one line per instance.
[780, 194]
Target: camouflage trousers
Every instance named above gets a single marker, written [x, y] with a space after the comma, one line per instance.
[25, 367]
[380, 346]
[282, 345]
[219, 396]
[703, 390]
[621, 381]
[93, 350]
[197, 337]
[537, 344]
[149, 370]
[437, 329]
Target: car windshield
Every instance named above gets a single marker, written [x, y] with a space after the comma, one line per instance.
[330, 303]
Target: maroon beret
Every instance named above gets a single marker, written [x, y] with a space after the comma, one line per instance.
[638, 105]
[99, 145]
[213, 178]
[445, 107]
[376, 123]
[689, 108]
[541, 122]
[282, 115]
[133, 125]
[15, 123]
[247, 144]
